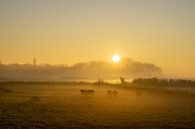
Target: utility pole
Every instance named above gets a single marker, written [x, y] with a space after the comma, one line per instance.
[34, 61]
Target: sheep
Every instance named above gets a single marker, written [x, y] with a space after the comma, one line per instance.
[87, 92]
[112, 92]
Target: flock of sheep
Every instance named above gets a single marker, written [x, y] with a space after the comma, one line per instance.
[83, 92]
[88, 92]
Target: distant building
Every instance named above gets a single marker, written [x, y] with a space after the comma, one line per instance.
[34, 61]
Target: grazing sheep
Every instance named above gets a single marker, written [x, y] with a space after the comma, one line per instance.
[112, 92]
[35, 99]
[87, 92]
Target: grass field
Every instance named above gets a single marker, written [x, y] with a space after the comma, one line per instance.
[63, 106]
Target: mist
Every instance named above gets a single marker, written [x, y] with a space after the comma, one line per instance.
[82, 71]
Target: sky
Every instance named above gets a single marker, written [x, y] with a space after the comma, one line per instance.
[69, 31]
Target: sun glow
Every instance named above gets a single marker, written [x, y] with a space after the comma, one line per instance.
[116, 58]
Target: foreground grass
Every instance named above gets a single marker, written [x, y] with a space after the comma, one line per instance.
[63, 106]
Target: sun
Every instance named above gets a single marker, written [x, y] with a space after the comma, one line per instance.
[116, 58]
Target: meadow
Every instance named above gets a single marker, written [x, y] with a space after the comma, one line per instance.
[45, 105]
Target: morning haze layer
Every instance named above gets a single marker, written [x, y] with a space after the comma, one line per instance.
[83, 71]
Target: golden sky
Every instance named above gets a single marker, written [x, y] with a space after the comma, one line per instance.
[68, 31]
